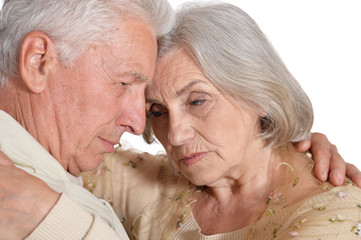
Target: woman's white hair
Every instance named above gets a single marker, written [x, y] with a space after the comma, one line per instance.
[72, 25]
[236, 57]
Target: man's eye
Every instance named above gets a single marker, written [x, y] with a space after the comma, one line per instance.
[123, 84]
[197, 102]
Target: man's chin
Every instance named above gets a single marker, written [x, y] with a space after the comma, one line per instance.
[95, 164]
[86, 165]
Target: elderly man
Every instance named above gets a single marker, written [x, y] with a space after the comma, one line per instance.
[73, 75]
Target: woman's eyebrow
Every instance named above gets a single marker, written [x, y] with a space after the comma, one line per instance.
[150, 100]
[179, 92]
[188, 86]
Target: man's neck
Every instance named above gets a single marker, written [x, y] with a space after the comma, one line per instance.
[30, 112]
[15, 100]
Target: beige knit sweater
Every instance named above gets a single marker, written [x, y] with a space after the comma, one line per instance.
[143, 188]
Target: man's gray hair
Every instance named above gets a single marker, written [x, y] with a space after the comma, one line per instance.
[237, 58]
[72, 25]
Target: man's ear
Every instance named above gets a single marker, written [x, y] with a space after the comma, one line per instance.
[37, 59]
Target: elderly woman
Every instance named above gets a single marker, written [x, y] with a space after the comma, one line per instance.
[226, 109]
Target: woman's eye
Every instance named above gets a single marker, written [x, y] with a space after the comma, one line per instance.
[156, 112]
[197, 102]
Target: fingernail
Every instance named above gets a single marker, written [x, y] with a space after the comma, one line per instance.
[324, 175]
[338, 178]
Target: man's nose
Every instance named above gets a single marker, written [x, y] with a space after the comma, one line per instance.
[132, 115]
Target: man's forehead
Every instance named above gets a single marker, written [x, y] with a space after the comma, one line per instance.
[117, 70]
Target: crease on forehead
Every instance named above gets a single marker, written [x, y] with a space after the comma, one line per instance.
[187, 87]
[136, 41]
[181, 91]
[167, 68]
[114, 66]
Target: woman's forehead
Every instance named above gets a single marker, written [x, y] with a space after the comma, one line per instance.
[177, 66]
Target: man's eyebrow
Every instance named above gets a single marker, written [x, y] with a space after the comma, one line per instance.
[188, 86]
[137, 75]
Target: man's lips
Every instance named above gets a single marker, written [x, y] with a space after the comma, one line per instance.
[192, 158]
[108, 145]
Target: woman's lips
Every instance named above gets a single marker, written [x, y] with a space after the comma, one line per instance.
[192, 158]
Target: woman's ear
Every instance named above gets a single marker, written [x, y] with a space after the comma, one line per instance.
[37, 56]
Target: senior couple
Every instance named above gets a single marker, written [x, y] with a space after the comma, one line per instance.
[222, 103]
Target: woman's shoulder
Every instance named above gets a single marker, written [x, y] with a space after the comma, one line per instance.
[134, 183]
[334, 198]
[133, 165]
[133, 171]
[145, 188]
[336, 212]
[125, 166]
[129, 157]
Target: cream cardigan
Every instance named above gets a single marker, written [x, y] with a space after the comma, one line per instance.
[78, 214]
[139, 187]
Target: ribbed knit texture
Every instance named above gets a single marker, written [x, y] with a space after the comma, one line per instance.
[67, 213]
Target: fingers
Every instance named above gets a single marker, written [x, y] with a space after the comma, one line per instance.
[353, 173]
[320, 150]
[303, 146]
[327, 160]
[4, 160]
[337, 167]
[322, 163]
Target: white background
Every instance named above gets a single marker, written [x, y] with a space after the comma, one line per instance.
[320, 42]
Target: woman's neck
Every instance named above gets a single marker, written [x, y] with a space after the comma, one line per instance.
[233, 202]
[239, 202]
[253, 178]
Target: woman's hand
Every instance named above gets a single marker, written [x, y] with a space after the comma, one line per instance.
[328, 162]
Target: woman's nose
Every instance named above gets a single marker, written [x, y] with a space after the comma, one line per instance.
[180, 131]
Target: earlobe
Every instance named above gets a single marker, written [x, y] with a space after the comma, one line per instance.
[36, 60]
